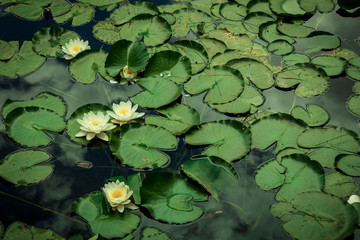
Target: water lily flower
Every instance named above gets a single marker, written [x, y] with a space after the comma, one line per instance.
[127, 75]
[74, 47]
[95, 125]
[354, 199]
[124, 112]
[118, 195]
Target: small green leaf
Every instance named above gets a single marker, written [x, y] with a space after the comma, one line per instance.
[154, 234]
[323, 6]
[128, 11]
[106, 32]
[313, 115]
[232, 11]
[340, 185]
[295, 58]
[353, 104]
[6, 50]
[280, 47]
[19, 230]
[348, 164]
[332, 65]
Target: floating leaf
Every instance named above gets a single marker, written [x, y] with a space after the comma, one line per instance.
[282, 210]
[94, 209]
[353, 72]
[101, 2]
[340, 185]
[270, 175]
[292, 8]
[179, 118]
[45, 100]
[269, 33]
[313, 115]
[229, 139]
[212, 46]
[138, 145]
[80, 13]
[170, 65]
[323, 6]
[309, 80]
[73, 127]
[317, 41]
[106, 32]
[294, 30]
[154, 30]
[232, 11]
[25, 125]
[320, 216]
[353, 104]
[6, 50]
[23, 62]
[259, 6]
[168, 198]
[281, 128]
[225, 84]
[253, 20]
[19, 230]
[158, 92]
[253, 70]
[295, 58]
[25, 167]
[85, 66]
[128, 11]
[348, 164]
[214, 174]
[236, 42]
[333, 66]
[280, 47]
[125, 53]
[154, 234]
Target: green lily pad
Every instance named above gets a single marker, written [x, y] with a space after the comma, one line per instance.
[270, 175]
[268, 32]
[25, 167]
[23, 62]
[45, 100]
[259, 74]
[95, 210]
[19, 230]
[80, 14]
[309, 80]
[237, 42]
[101, 2]
[72, 125]
[178, 118]
[25, 125]
[191, 19]
[125, 53]
[128, 11]
[340, 185]
[158, 92]
[154, 234]
[353, 104]
[215, 10]
[225, 84]
[214, 176]
[294, 30]
[170, 65]
[106, 32]
[318, 41]
[212, 46]
[313, 115]
[48, 41]
[292, 8]
[323, 6]
[154, 30]
[232, 11]
[85, 66]
[280, 47]
[6, 50]
[355, 61]
[229, 139]
[281, 128]
[356, 88]
[348, 164]
[259, 6]
[295, 58]
[320, 216]
[254, 20]
[172, 7]
[236, 28]
[282, 210]
[168, 198]
[353, 72]
[332, 65]
[138, 146]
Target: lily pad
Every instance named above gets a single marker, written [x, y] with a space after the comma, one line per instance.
[309, 80]
[178, 118]
[106, 32]
[25, 125]
[158, 92]
[237, 42]
[167, 197]
[280, 47]
[270, 175]
[259, 6]
[48, 41]
[138, 146]
[170, 65]
[348, 164]
[95, 210]
[23, 62]
[292, 8]
[125, 53]
[85, 66]
[340, 185]
[313, 115]
[73, 127]
[254, 20]
[215, 176]
[19, 230]
[26, 167]
[323, 6]
[353, 72]
[225, 84]
[80, 14]
[45, 100]
[353, 104]
[154, 234]
[332, 65]
[6, 50]
[268, 32]
[232, 11]
[318, 41]
[101, 2]
[212, 46]
[229, 139]
[154, 30]
[294, 30]
[128, 11]
[295, 58]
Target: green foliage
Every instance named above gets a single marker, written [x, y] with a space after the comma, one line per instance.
[6, 50]
[313, 115]
[19, 230]
[80, 13]
[154, 234]
[128, 11]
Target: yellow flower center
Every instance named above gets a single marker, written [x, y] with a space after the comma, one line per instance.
[128, 71]
[123, 111]
[117, 193]
[75, 48]
[94, 122]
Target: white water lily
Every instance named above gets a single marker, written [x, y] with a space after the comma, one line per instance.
[124, 112]
[118, 195]
[128, 75]
[95, 125]
[74, 47]
[354, 199]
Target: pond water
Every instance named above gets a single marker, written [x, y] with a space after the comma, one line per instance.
[243, 209]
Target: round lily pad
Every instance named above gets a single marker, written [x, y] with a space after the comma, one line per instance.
[268, 32]
[19, 230]
[26, 167]
[139, 145]
[167, 197]
[253, 20]
[6, 50]
[313, 115]
[353, 104]
[232, 11]
[128, 11]
[317, 41]
[212, 46]
[270, 175]
[295, 58]
[340, 185]
[323, 6]
[80, 14]
[106, 32]
[348, 164]
[294, 30]
[280, 47]
[353, 72]
[332, 65]
[229, 139]
[101, 2]
[154, 234]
